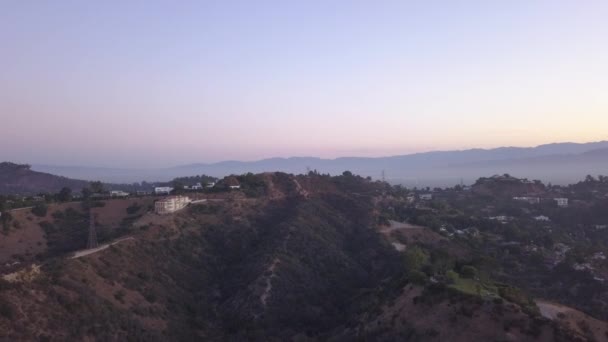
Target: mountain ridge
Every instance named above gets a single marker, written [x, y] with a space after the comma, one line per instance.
[436, 168]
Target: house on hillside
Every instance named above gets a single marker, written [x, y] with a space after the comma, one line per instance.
[426, 197]
[232, 183]
[411, 197]
[163, 190]
[531, 200]
[541, 218]
[118, 193]
[562, 202]
[500, 218]
[171, 204]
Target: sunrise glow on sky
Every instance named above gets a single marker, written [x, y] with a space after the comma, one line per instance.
[160, 83]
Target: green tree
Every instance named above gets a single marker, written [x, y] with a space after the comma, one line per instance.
[468, 271]
[416, 258]
[97, 187]
[40, 209]
[65, 194]
[452, 276]
[347, 174]
[86, 192]
[178, 187]
[590, 179]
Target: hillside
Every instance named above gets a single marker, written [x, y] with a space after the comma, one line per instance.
[21, 179]
[305, 258]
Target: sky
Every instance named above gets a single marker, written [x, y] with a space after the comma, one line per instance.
[164, 83]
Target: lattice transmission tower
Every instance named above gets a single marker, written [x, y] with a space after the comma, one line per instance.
[92, 241]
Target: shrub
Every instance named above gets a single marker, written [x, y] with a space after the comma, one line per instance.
[452, 276]
[4, 285]
[150, 296]
[415, 258]
[6, 309]
[418, 277]
[119, 295]
[468, 271]
[58, 215]
[133, 208]
[40, 210]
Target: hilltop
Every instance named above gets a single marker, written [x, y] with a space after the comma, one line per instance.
[21, 179]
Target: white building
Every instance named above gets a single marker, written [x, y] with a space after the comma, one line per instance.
[500, 218]
[171, 204]
[426, 197]
[232, 182]
[531, 200]
[561, 201]
[197, 186]
[118, 193]
[163, 190]
[210, 185]
[541, 218]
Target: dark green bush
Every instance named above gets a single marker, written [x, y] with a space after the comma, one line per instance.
[40, 209]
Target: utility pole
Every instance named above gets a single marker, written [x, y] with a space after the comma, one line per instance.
[92, 241]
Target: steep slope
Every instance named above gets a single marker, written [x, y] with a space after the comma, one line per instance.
[307, 261]
[439, 314]
[244, 269]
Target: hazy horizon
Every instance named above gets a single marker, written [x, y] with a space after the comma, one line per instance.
[160, 84]
[293, 156]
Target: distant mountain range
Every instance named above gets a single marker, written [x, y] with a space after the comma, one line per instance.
[558, 163]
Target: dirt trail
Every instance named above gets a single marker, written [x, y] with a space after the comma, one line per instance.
[397, 226]
[80, 254]
[268, 289]
[300, 189]
[551, 310]
[394, 225]
[272, 268]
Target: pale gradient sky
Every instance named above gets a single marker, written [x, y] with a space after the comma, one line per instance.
[151, 84]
